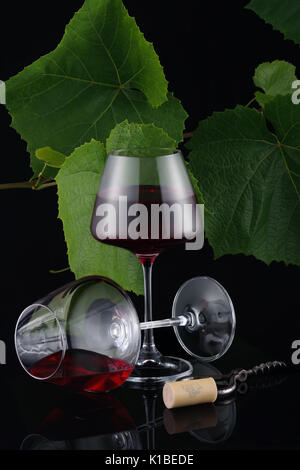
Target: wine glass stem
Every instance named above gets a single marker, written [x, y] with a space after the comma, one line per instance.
[148, 350]
[182, 320]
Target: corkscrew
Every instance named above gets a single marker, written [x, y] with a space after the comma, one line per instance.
[194, 391]
[236, 378]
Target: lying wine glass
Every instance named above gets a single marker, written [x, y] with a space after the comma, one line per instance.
[86, 335]
[145, 204]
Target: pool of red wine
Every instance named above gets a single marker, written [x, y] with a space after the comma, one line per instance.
[83, 370]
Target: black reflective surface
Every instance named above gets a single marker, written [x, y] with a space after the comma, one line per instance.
[40, 416]
[209, 51]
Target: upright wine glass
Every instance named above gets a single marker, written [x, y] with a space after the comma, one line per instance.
[145, 204]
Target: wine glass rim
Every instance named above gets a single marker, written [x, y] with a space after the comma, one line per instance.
[61, 333]
[161, 152]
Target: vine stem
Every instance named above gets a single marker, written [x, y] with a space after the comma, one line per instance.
[58, 271]
[24, 184]
[29, 185]
[187, 135]
[46, 185]
[250, 102]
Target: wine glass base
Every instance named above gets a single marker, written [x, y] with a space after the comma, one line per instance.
[167, 369]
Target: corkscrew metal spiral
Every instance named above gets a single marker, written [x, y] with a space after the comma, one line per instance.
[237, 377]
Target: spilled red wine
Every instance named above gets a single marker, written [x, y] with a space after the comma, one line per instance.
[169, 230]
[83, 370]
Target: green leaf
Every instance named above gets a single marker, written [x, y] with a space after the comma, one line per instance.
[274, 78]
[126, 135]
[51, 157]
[102, 72]
[194, 182]
[283, 15]
[250, 180]
[78, 181]
[262, 98]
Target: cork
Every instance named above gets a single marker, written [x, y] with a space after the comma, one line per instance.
[189, 392]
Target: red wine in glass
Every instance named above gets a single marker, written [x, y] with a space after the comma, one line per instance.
[83, 370]
[149, 196]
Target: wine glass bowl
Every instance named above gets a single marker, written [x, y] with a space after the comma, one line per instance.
[84, 335]
[210, 333]
[137, 182]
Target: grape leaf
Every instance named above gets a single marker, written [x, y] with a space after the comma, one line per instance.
[126, 135]
[274, 78]
[194, 182]
[51, 157]
[78, 181]
[283, 15]
[250, 180]
[102, 72]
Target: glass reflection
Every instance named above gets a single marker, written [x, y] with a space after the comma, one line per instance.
[94, 422]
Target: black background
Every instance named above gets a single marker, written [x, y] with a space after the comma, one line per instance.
[209, 51]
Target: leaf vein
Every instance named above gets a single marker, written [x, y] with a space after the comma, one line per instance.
[289, 172]
[132, 104]
[128, 51]
[104, 45]
[67, 77]
[244, 189]
[134, 75]
[73, 98]
[81, 62]
[100, 116]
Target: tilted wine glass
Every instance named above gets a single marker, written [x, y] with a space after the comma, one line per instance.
[145, 204]
[86, 335]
